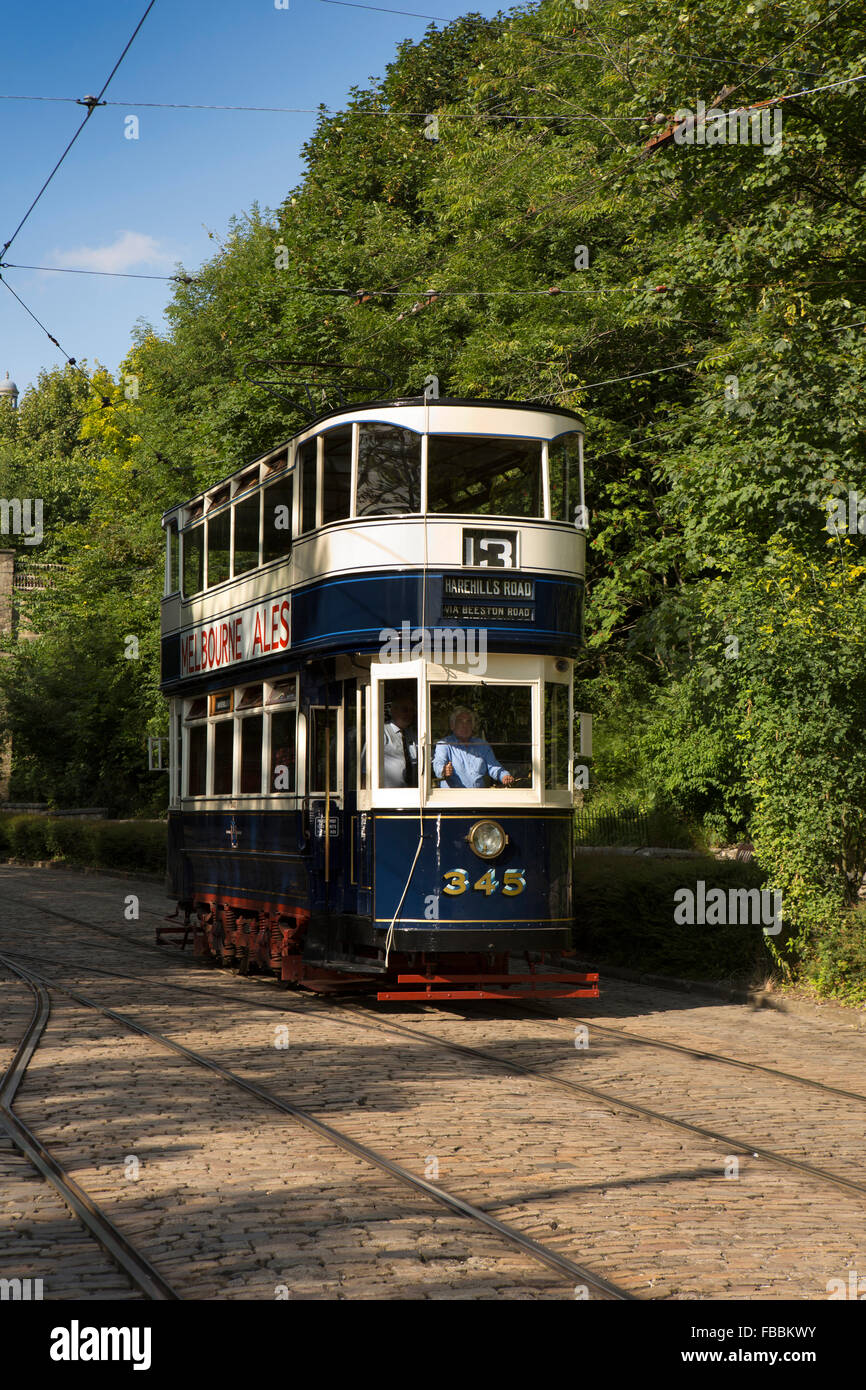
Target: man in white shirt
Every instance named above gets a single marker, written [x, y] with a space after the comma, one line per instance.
[400, 755]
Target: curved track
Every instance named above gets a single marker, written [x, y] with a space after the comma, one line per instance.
[113, 1242]
[731, 1144]
[536, 1251]
[631, 1038]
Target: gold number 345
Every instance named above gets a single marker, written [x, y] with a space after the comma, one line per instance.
[457, 881]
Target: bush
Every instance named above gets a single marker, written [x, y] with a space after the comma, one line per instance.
[834, 963]
[130, 847]
[624, 915]
[26, 837]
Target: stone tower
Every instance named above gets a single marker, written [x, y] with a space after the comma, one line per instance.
[9, 391]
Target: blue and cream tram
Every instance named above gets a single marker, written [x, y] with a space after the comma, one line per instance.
[368, 637]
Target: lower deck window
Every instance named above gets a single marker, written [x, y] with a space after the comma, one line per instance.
[282, 756]
[197, 760]
[223, 757]
[251, 754]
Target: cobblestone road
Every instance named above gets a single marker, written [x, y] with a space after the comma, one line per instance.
[231, 1200]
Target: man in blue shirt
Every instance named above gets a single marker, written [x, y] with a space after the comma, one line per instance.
[466, 761]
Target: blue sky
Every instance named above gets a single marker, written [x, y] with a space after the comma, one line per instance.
[143, 205]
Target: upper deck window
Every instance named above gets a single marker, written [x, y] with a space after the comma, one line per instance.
[389, 471]
[172, 568]
[246, 535]
[308, 468]
[277, 534]
[337, 474]
[489, 477]
[565, 477]
[218, 547]
[193, 560]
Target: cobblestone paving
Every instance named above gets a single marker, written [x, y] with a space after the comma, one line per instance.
[232, 1201]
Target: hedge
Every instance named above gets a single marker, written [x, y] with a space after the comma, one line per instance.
[624, 916]
[128, 846]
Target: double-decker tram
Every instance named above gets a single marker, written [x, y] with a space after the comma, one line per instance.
[368, 638]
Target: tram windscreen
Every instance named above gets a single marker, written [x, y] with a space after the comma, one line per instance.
[481, 732]
[277, 531]
[193, 560]
[389, 471]
[486, 477]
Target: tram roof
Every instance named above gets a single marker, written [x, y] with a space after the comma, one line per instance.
[364, 406]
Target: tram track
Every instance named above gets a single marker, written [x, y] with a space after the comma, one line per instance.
[732, 1144]
[542, 1254]
[528, 1007]
[107, 1235]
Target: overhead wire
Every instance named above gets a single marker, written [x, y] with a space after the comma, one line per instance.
[391, 293]
[410, 115]
[92, 103]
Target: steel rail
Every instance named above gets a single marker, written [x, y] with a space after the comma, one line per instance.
[129, 1260]
[529, 1005]
[689, 1051]
[743, 1146]
[541, 1253]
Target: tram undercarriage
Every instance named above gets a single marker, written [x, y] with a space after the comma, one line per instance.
[326, 956]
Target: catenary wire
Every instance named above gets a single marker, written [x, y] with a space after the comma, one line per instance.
[92, 104]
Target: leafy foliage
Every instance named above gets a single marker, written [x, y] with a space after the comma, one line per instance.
[714, 343]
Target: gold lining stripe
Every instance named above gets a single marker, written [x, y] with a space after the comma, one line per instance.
[437, 922]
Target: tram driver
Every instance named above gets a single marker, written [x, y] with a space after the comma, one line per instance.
[464, 760]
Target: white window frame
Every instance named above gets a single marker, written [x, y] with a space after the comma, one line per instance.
[380, 672]
[501, 798]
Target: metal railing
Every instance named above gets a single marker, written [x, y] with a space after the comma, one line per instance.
[612, 828]
[34, 574]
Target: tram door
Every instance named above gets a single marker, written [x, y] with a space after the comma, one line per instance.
[325, 800]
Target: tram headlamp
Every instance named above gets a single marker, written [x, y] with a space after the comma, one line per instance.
[487, 839]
